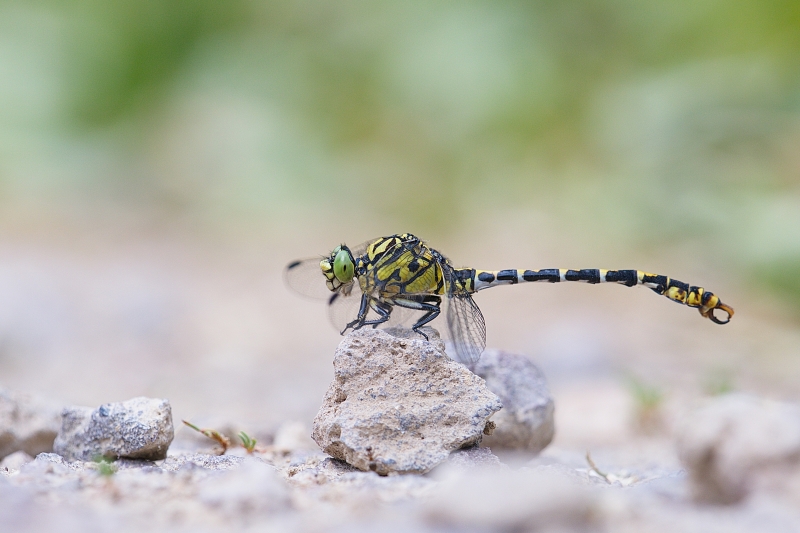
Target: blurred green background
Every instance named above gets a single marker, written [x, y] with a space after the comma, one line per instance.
[641, 125]
[161, 161]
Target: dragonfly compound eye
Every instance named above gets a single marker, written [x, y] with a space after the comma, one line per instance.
[343, 267]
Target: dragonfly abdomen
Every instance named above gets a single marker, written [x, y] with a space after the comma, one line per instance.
[677, 291]
[485, 279]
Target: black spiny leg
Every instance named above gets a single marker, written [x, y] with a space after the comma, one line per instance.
[383, 309]
[358, 323]
[430, 304]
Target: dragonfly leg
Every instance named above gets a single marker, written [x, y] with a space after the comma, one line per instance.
[383, 309]
[362, 315]
[430, 304]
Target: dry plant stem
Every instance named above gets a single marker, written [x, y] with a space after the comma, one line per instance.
[213, 434]
[594, 467]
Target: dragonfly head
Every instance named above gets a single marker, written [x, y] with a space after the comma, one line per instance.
[339, 268]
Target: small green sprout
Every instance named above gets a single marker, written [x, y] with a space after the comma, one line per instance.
[648, 401]
[719, 383]
[105, 466]
[647, 397]
[213, 434]
[248, 442]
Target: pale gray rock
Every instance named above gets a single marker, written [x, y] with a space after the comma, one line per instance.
[52, 462]
[398, 403]
[15, 460]
[140, 428]
[250, 487]
[474, 457]
[495, 499]
[336, 481]
[526, 421]
[27, 423]
[736, 443]
[200, 461]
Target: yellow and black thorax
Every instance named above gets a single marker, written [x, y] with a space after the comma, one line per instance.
[403, 264]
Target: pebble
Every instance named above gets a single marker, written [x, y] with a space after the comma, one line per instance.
[399, 404]
[252, 486]
[140, 428]
[736, 443]
[492, 499]
[526, 420]
[15, 461]
[27, 423]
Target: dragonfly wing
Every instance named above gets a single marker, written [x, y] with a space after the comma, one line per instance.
[343, 309]
[343, 306]
[466, 327]
[361, 248]
[306, 278]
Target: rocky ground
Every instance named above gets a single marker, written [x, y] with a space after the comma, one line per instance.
[690, 426]
[410, 423]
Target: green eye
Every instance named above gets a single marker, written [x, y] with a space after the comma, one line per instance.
[343, 267]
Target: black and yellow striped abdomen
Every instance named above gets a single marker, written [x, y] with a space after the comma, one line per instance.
[673, 289]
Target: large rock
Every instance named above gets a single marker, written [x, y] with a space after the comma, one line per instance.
[398, 403]
[526, 421]
[736, 443]
[27, 424]
[140, 428]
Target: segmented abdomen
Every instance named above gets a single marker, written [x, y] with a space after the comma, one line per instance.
[673, 289]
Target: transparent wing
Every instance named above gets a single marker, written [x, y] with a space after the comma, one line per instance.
[361, 248]
[343, 308]
[306, 278]
[403, 316]
[466, 327]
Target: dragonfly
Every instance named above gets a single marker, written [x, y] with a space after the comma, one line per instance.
[377, 282]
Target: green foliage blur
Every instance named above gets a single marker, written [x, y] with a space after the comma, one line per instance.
[663, 122]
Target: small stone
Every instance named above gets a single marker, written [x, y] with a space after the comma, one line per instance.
[251, 487]
[475, 457]
[526, 421]
[202, 461]
[398, 403]
[140, 428]
[497, 499]
[734, 442]
[46, 461]
[27, 423]
[336, 481]
[15, 461]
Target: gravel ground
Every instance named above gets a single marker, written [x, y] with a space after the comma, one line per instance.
[105, 317]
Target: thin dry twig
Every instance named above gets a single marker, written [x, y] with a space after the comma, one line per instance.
[213, 434]
[595, 469]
